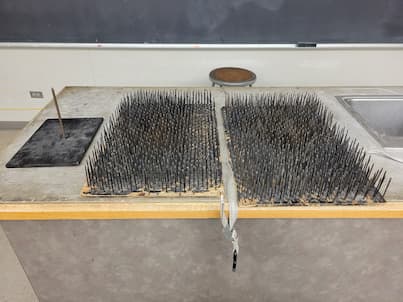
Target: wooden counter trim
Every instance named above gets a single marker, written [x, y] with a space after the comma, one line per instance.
[153, 210]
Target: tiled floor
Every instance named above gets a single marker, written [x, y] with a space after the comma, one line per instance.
[14, 284]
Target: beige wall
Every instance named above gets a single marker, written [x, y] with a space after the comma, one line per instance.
[25, 69]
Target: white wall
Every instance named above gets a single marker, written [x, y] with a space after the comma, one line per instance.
[25, 69]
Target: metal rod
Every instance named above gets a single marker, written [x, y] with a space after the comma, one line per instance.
[62, 133]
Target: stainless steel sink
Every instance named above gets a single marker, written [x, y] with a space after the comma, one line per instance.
[382, 116]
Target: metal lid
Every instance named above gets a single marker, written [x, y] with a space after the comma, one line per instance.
[232, 76]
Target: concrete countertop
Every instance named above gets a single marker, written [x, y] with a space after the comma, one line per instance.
[62, 185]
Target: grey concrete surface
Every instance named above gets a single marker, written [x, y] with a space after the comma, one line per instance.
[64, 183]
[14, 284]
[188, 260]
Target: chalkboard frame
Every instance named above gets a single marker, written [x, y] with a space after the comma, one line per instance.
[195, 46]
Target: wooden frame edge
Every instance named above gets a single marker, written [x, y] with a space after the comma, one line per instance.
[194, 210]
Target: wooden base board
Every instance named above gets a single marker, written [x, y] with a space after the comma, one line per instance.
[214, 193]
[194, 210]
